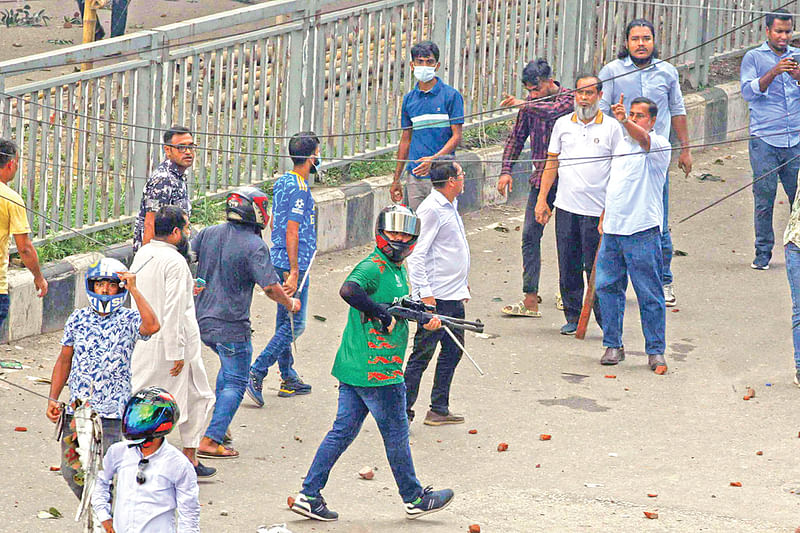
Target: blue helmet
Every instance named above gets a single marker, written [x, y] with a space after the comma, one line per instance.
[105, 269]
[150, 413]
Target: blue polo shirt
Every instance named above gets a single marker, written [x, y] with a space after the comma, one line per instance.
[430, 114]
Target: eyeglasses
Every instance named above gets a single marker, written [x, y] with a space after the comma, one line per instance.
[140, 479]
[183, 148]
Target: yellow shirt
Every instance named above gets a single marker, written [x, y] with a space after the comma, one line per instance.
[13, 221]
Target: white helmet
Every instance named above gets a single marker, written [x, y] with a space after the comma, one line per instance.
[105, 269]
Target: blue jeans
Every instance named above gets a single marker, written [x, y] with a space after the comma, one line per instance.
[279, 347]
[234, 358]
[793, 273]
[4, 303]
[638, 255]
[666, 240]
[763, 158]
[388, 406]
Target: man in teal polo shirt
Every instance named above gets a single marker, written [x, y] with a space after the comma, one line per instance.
[432, 117]
[369, 367]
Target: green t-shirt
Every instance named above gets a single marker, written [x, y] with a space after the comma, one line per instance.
[367, 357]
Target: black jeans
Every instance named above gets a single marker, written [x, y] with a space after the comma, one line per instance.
[577, 239]
[531, 242]
[119, 19]
[424, 346]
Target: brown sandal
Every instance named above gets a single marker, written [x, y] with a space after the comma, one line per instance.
[222, 452]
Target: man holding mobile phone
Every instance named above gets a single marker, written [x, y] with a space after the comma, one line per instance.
[769, 82]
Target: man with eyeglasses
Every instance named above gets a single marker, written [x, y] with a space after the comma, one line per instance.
[438, 268]
[547, 102]
[167, 184]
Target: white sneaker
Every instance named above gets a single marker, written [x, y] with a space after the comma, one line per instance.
[797, 378]
[559, 302]
[669, 296]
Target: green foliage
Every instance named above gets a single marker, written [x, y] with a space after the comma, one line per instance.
[23, 16]
[56, 250]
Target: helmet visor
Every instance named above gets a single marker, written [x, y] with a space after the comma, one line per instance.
[397, 221]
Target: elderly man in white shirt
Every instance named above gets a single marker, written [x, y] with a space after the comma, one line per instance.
[438, 268]
[585, 141]
[631, 225]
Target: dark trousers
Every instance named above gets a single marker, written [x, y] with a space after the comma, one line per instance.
[576, 239]
[531, 242]
[119, 19]
[424, 346]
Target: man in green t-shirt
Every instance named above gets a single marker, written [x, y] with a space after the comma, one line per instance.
[369, 367]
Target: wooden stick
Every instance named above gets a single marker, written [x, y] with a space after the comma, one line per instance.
[588, 298]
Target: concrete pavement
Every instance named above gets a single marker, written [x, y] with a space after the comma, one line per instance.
[684, 436]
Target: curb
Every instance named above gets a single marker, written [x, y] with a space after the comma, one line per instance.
[345, 215]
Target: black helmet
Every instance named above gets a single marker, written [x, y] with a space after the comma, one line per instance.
[150, 413]
[247, 205]
[400, 219]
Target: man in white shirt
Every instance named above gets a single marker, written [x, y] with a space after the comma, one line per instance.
[438, 268]
[631, 225]
[585, 141]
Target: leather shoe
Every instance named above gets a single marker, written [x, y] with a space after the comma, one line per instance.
[613, 356]
[657, 363]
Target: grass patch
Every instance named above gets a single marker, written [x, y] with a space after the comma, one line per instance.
[57, 250]
[490, 134]
[383, 166]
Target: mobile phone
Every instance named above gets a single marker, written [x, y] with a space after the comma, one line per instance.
[200, 282]
[796, 58]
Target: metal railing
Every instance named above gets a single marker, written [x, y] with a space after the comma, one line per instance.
[89, 140]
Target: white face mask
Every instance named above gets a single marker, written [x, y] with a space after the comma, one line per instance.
[424, 74]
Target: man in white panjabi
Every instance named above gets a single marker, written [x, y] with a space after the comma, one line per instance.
[171, 359]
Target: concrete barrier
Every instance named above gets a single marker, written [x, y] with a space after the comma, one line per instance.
[346, 215]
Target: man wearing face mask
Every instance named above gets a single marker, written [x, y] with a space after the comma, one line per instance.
[294, 239]
[432, 118]
[171, 358]
[580, 151]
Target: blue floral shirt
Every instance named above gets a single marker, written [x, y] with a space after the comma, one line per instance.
[101, 359]
[291, 200]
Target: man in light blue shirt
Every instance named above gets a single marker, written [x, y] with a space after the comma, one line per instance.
[769, 76]
[637, 73]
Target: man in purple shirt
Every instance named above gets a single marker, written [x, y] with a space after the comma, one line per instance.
[535, 119]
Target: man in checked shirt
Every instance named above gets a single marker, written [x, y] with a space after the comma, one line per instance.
[535, 119]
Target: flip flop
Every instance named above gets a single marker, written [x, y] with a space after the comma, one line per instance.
[222, 452]
[519, 309]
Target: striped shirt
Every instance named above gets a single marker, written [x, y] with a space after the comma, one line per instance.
[430, 114]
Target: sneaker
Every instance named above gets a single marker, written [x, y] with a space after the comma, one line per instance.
[203, 471]
[292, 387]
[559, 302]
[435, 419]
[759, 264]
[669, 296]
[254, 387]
[430, 502]
[569, 328]
[797, 378]
[313, 508]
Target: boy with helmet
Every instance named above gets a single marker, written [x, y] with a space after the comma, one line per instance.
[232, 258]
[294, 242]
[369, 367]
[154, 479]
[95, 357]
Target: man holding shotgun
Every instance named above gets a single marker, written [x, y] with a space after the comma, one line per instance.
[585, 141]
[631, 225]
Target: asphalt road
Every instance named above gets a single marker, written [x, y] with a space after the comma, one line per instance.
[684, 436]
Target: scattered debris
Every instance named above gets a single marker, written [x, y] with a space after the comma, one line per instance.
[274, 528]
[538, 465]
[652, 515]
[736, 483]
[20, 428]
[498, 226]
[719, 161]
[613, 454]
[544, 436]
[320, 318]
[676, 310]
[366, 473]
[679, 253]
[38, 380]
[709, 177]
[473, 431]
[759, 452]
[10, 364]
[497, 299]
[592, 485]
[652, 495]
[474, 528]
[751, 392]
[502, 447]
[50, 513]
[516, 229]
[610, 376]
[297, 438]
[55, 469]
[223, 513]
[290, 501]
[486, 335]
